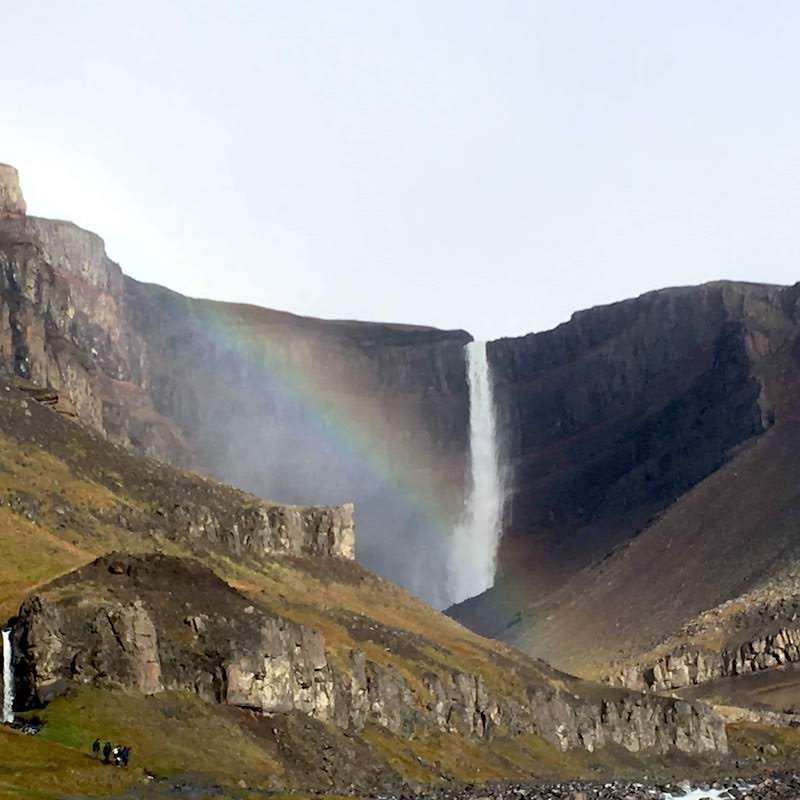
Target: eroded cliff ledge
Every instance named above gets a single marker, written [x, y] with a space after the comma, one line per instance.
[150, 623]
[752, 633]
[12, 203]
[294, 409]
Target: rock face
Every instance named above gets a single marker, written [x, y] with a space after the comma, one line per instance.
[691, 667]
[261, 528]
[752, 633]
[649, 433]
[150, 623]
[611, 416]
[12, 203]
[289, 408]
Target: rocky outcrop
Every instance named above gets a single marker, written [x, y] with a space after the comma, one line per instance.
[157, 502]
[151, 623]
[632, 721]
[290, 408]
[12, 203]
[261, 528]
[690, 667]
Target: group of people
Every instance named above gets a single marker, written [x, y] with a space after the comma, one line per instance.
[112, 754]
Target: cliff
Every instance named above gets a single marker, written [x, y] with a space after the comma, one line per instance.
[295, 409]
[146, 599]
[609, 418]
[154, 623]
[653, 447]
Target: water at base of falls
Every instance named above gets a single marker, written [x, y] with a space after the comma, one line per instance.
[8, 678]
[473, 554]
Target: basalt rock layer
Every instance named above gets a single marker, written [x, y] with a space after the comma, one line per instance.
[653, 448]
[752, 633]
[155, 623]
[296, 409]
[12, 203]
[608, 418]
[691, 667]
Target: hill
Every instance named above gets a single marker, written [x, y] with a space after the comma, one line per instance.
[160, 600]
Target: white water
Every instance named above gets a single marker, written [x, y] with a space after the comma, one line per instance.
[8, 678]
[473, 554]
[697, 794]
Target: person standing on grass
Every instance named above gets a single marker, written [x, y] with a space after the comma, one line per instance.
[106, 752]
[96, 748]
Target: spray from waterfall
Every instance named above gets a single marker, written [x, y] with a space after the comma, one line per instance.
[8, 678]
[473, 555]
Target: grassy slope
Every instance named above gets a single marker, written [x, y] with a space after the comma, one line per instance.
[63, 491]
[31, 767]
[67, 494]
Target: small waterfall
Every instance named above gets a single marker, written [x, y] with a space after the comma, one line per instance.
[473, 555]
[8, 678]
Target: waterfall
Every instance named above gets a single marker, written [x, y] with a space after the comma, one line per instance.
[473, 553]
[8, 678]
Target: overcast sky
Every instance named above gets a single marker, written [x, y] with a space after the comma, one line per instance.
[487, 165]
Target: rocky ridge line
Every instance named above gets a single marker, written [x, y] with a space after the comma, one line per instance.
[754, 632]
[154, 623]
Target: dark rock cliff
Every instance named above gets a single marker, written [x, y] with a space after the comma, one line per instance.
[671, 491]
[150, 623]
[610, 417]
[298, 410]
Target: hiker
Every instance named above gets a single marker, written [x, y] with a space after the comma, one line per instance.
[96, 747]
[126, 754]
[106, 752]
[115, 755]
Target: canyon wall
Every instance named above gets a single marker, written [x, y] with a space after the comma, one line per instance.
[654, 448]
[293, 409]
[613, 415]
[108, 625]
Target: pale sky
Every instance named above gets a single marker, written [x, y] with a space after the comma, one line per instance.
[483, 165]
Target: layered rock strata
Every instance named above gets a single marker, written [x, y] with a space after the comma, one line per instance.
[152, 623]
[691, 667]
[290, 408]
[612, 415]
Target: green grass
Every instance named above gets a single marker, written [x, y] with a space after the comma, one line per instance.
[170, 733]
[753, 740]
[33, 767]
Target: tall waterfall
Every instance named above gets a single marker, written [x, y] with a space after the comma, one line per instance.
[473, 555]
[8, 678]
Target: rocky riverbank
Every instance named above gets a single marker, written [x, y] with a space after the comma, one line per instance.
[769, 788]
[774, 787]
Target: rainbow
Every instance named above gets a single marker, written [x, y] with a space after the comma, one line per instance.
[281, 355]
